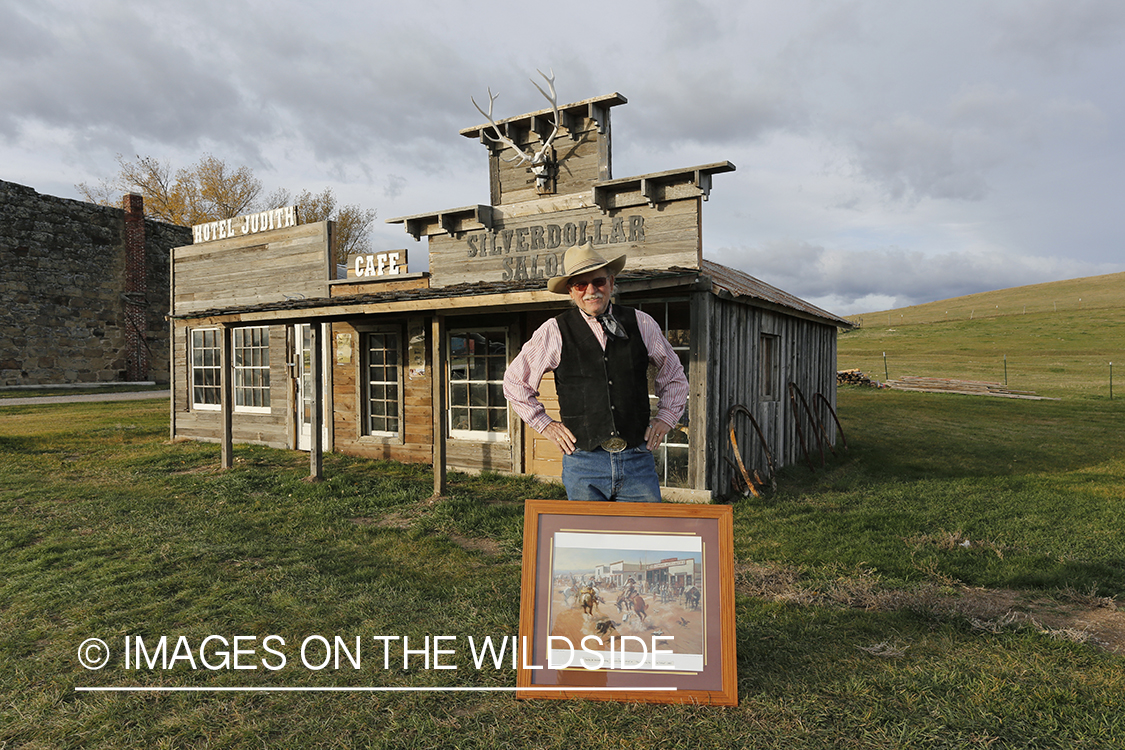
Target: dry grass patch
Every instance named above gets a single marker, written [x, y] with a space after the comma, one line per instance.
[1072, 616]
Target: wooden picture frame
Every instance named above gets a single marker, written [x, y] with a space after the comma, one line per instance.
[583, 632]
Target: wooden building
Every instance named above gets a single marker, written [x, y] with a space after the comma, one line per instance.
[271, 339]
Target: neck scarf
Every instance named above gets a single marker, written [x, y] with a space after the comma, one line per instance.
[612, 326]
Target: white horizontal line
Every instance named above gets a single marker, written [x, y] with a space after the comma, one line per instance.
[567, 688]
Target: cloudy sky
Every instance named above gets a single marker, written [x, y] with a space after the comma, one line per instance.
[888, 152]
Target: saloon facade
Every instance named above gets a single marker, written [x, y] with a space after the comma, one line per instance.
[274, 344]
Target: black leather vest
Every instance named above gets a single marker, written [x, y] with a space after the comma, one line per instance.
[602, 394]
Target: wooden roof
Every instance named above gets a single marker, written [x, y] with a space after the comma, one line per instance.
[723, 281]
[737, 284]
[594, 109]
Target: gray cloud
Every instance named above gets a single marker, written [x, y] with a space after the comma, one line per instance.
[851, 282]
[886, 150]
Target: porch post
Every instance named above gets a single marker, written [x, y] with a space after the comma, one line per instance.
[437, 399]
[699, 411]
[316, 454]
[226, 400]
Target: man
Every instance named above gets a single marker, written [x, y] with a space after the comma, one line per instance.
[600, 354]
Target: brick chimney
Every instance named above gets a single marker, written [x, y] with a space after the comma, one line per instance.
[136, 289]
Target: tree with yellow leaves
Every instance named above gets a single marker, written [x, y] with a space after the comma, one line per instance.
[210, 190]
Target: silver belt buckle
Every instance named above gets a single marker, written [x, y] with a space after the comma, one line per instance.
[614, 445]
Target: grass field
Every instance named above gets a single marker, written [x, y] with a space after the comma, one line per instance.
[953, 580]
[860, 621]
[1056, 339]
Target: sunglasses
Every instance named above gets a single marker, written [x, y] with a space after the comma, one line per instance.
[598, 283]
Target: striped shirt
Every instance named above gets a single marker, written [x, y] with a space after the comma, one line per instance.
[541, 354]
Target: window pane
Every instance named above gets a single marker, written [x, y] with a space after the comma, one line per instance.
[382, 381]
[478, 420]
[499, 422]
[496, 367]
[478, 368]
[476, 372]
[677, 461]
[459, 418]
[250, 359]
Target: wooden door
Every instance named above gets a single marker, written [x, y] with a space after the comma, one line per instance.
[542, 457]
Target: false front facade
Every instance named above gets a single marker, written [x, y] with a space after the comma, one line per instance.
[276, 344]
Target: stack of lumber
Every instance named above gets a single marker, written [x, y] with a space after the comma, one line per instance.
[965, 387]
[852, 377]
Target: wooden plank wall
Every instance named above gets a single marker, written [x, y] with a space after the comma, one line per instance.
[807, 357]
[265, 267]
[518, 247]
[415, 445]
[579, 164]
[273, 429]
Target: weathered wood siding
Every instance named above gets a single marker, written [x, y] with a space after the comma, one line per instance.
[806, 356]
[414, 444]
[532, 246]
[580, 162]
[274, 429]
[280, 264]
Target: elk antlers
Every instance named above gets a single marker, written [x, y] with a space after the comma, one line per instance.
[539, 159]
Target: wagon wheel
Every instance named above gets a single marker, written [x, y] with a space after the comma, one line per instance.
[793, 388]
[839, 427]
[751, 483]
[797, 423]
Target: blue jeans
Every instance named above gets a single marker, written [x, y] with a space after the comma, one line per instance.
[628, 476]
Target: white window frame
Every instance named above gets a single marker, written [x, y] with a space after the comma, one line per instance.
[493, 386]
[659, 311]
[216, 366]
[366, 382]
[257, 371]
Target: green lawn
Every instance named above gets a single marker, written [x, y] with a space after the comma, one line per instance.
[851, 629]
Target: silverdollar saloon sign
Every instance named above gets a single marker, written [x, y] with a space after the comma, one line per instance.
[532, 247]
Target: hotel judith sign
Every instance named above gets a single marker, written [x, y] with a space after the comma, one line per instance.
[240, 226]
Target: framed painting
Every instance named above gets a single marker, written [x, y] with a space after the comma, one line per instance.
[628, 601]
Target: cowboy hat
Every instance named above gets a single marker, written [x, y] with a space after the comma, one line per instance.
[580, 260]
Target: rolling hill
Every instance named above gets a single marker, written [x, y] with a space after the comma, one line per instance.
[1057, 339]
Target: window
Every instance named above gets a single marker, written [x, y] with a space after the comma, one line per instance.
[252, 369]
[381, 383]
[769, 351]
[674, 318]
[477, 407]
[205, 368]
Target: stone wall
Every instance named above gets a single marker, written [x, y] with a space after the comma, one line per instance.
[67, 302]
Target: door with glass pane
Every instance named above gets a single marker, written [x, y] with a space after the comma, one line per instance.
[302, 337]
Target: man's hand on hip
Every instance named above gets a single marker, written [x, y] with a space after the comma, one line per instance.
[655, 432]
[561, 436]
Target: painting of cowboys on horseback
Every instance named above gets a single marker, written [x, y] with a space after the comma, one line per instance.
[615, 585]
